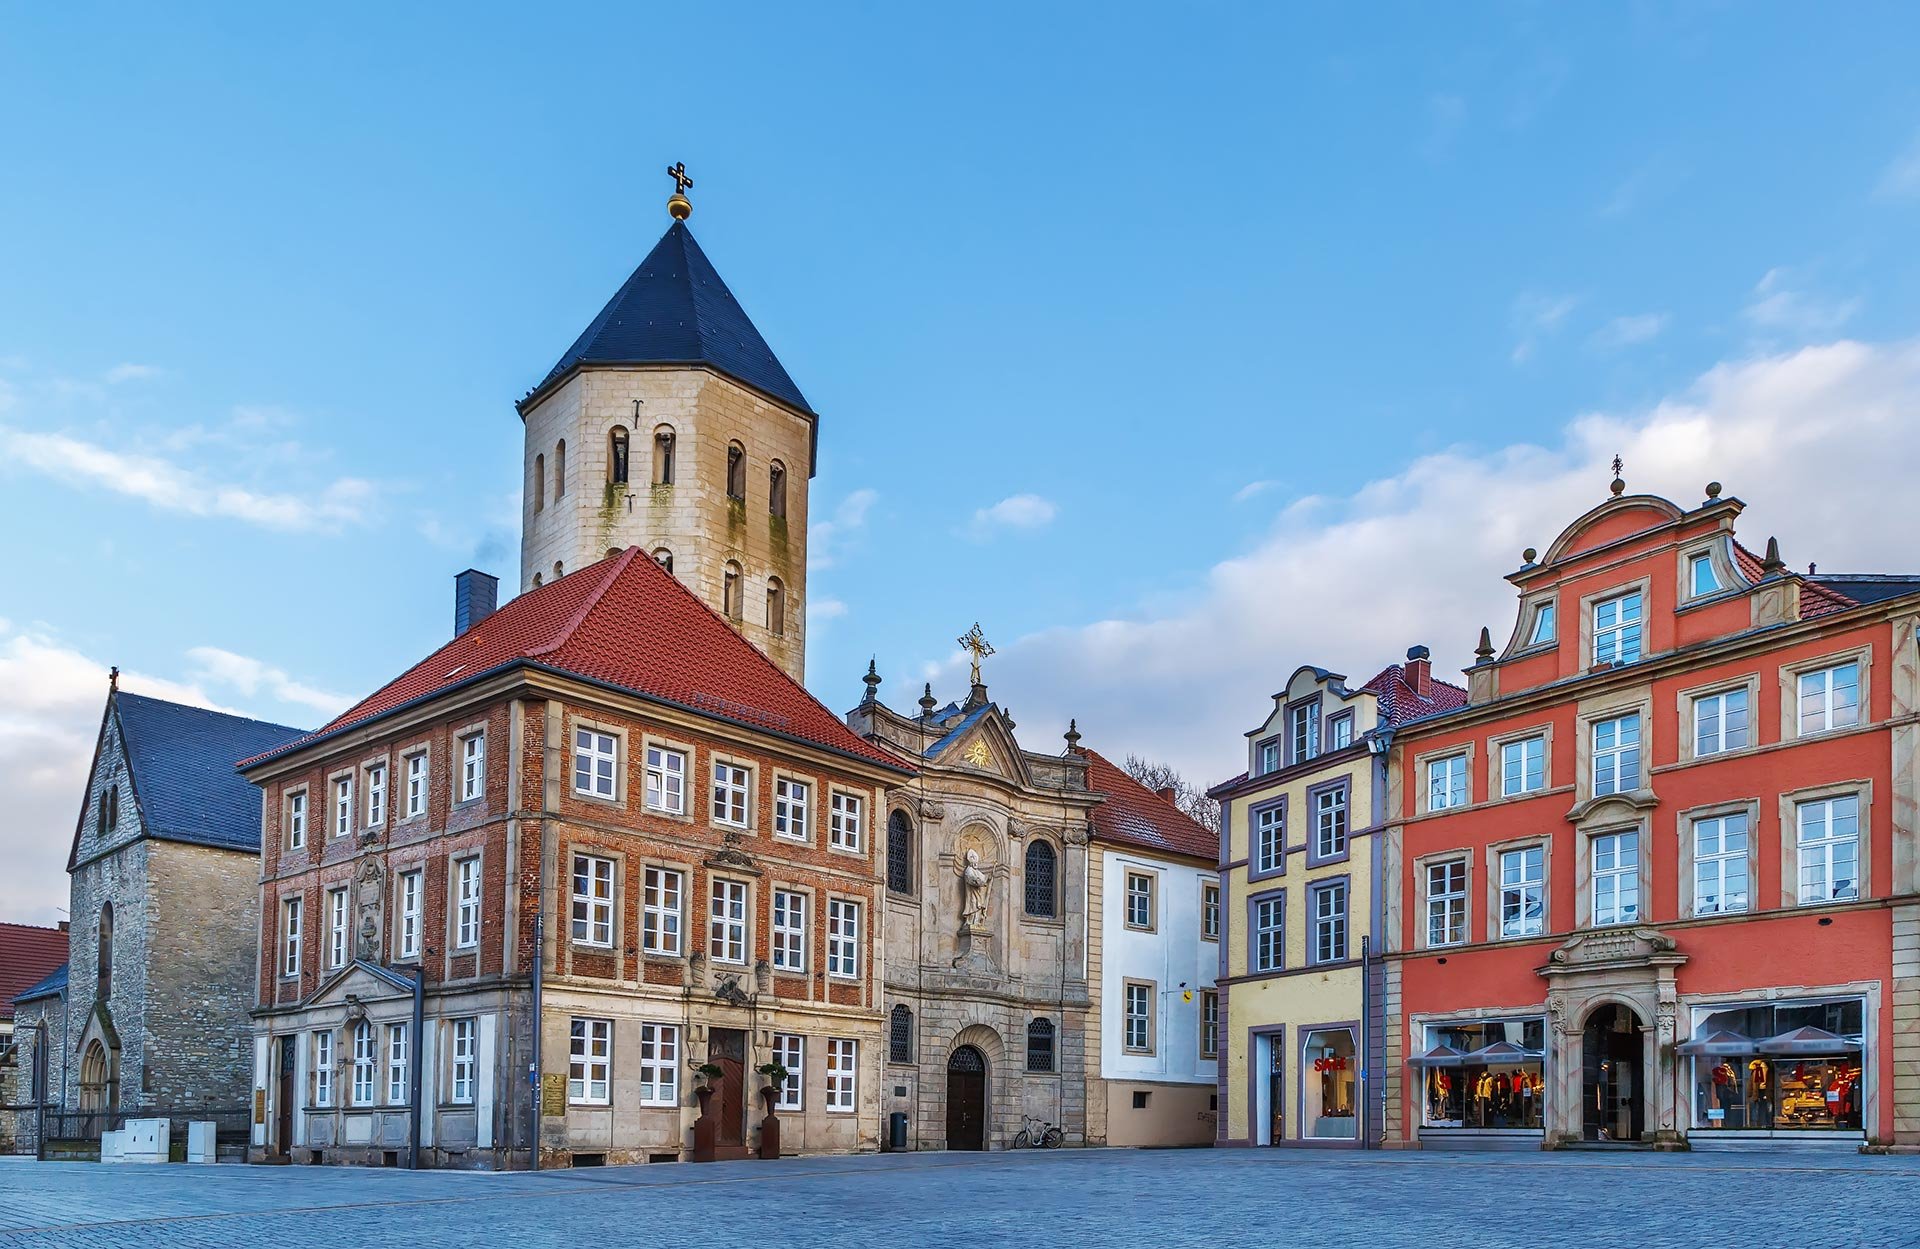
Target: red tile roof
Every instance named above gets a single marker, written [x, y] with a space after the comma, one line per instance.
[28, 954]
[1815, 599]
[627, 622]
[1399, 703]
[1136, 816]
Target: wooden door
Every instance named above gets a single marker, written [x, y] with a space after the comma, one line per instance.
[283, 1100]
[967, 1099]
[728, 1050]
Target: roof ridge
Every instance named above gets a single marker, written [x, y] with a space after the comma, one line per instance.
[580, 613]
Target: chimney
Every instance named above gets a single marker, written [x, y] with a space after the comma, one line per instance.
[1420, 670]
[475, 595]
[1168, 792]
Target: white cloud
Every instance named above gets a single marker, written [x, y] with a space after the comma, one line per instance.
[121, 373]
[1536, 316]
[170, 487]
[1016, 511]
[250, 678]
[824, 609]
[1252, 489]
[827, 538]
[1779, 308]
[1629, 330]
[1901, 180]
[1420, 555]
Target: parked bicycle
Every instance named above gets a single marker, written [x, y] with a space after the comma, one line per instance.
[1037, 1134]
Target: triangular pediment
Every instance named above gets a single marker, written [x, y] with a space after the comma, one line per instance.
[359, 979]
[985, 744]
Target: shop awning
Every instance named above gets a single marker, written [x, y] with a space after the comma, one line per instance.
[1503, 1052]
[1719, 1043]
[1439, 1056]
[1806, 1042]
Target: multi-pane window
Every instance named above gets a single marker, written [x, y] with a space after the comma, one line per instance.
[659, 1064]
[1616, 878]
[790, 1051]
[792, 800]
[336, 927]
[1040, 1045]
[416, 785]
[1720, 722]
[1340, 731]
[1330, 922]
[397, 1053]
[1545, 626]
[1523, 897]
[1616, 754]
[844, 830]
[1830, 698]
[343, 806]
[1330, 822]
[1139, 1016]
[789, 930]
[842, 1069]
[1303, 733]
[290, 937]
[660, 911]
[1829, 839]
[1269, 757]
[1617, 629]
[1209, 1024]
[1720, 864]
[365, 1058]
[1269, 838]
[376, 795]
[466, 890]
[1701, 578]
[1139, 900]
[727, 913]
[899, 853]
[297, 821]
[1447, 902]
[667, 780]
[1210, 911]
[590, 1062]
[592, 900]
[409, 918]
[1523, 766]
[465, 1035]
[323, 1068]
[473, 766]
[843, 937]
[1269, 934]
[1447, 783]
[900, 1035]
[1041, 878]
[730, 785]
[596, 761]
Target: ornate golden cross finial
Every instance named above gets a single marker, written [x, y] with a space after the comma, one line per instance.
[1619, 483]
[976, 644]
[679, 206]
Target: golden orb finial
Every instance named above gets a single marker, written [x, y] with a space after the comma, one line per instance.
[679, 207]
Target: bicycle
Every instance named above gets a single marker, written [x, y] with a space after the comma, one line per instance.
[1037, 1134]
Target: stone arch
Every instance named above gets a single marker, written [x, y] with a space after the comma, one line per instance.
[617, 455]
[663, 452]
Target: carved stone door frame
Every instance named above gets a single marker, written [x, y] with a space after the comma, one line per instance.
[1632, 967]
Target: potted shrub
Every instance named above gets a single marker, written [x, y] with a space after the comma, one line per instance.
[770, 1126]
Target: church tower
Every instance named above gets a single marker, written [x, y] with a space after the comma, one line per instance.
[670, 425]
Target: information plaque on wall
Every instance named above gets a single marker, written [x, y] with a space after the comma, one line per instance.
[553, 1094]
[259, 1105]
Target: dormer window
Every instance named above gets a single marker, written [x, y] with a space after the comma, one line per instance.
[1303, 732]
[1545, 627]
[1702, 580]
[1617, 629]
[1269, 757]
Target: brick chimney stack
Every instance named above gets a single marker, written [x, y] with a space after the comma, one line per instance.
[1420, 670]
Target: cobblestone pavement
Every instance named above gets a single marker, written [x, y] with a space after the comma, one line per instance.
[1068, 1198]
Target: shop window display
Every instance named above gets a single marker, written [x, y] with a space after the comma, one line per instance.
[1326, 1111]
[1780, 1067]
[1483, 1074]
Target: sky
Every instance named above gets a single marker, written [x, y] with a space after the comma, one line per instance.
[1178, 347]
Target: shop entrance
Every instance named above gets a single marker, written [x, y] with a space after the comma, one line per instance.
[1613, 1064]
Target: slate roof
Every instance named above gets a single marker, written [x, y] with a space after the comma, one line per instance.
[182, 763]
[1399, 703]
[1816, 599]
[628, 623]
[1134, 815]
[1865, 587]
[28, 954]
[675, 309]
[54, 983]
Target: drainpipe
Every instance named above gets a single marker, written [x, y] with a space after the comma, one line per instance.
[416, 1058]
[533, 1065]
[40, 1079]
[1366, 1035]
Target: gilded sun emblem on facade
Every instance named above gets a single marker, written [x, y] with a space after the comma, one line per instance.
[978, 754]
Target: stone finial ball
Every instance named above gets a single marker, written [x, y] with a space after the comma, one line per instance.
[1529, 555]
[1713, 489]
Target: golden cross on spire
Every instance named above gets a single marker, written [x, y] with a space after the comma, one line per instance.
[976, 644]
[679, 207]
[678, 172]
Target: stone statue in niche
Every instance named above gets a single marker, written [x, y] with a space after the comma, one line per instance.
[973, 891]
[369, 883]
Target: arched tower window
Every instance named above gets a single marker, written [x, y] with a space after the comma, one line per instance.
[536, 581]
[776, 607]
[736, 471]
[730, 592]
[1040, 1045]
[900, 1035]
[663, 456]
[110, 811]
[559, 570]
[105, 952]
[1042, 878]
[777, 490]
[560, 470]
[900, 853]
[539, 483]
[617, 455]
[663, 557]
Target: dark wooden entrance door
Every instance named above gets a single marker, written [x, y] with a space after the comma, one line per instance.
[283, 1100]
[727, 1048]
[1612, 1058]
[967, 1099]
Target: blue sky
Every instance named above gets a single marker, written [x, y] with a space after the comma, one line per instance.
[1209, 295]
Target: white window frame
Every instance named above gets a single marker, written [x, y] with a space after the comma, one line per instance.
[1136, 1017]
[1545, 624]
[1140, 902]
[462, 1051]
[659, 1064]
[411, 893]
[364, 1091]
[1332, 814]
[1269, 839]
[596, 762]
[1268, 951]
[1614, 868]
[1730, 869]
[1822, 847]
[727, 921]
[1612, 642]
[417, 782]
[666, 780]
[1443, 794]
[732, 794]
[1209, 1023]
[466, 892]
[291, 919]
[1525, 747]
[591, 920]
[297, 820]
[663, 910]
[1448, 902]
[790, 1051]
[1303, 732]
[1531, 878]
[788, 951]
[337, 928]
[399, 1083]
[846, 821]
[1695, 562]
[792, 808]
[323, 1069]
[1268, 754]
[473, 766]
[342, 805]
[376, 795]
[1617, 754]
[589, 1061]
[1830, 713]
[1721, 740]
[843, 938]
[843, 1075]
[1209, 910]
[1330, 927]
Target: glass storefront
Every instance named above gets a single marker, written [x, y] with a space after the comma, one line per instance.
[1782, 1066]
[1327, 1091]
[1483, 1074]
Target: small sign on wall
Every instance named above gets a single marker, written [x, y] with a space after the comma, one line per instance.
[553, 1094]
[259, 1105]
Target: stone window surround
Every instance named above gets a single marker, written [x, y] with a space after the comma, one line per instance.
[395, 871]
[584, 1099]
[1314, 857]
[861, 937]
[1496, 762]
[778, 774]
[827, 1067]
[444, 1076]
[1720, 548]
[419, 749]
[576, 722]
[688, 776]
[457, 772]
[1254, 812]
[1684, 705]
[1422, 782]
[1326, 729]
[1278, 742]
[1314, 889]
[1152, 877]
[286, 818]
[1522, 643]
[297, 946]
[1059, 917]
[1683, 827]
[1153, 1022]
[680, 1053]
[376, 763]
[1219, 913]
[913, 838]
[1253, 931]
[812, 902]
[1790, 801]
[1493, 853]
[1583, 872]
[863, 831]
[595, 850]
[1420, 866]
[685, 872]
[1611, 706]
[719, 758]
[714, 879]
[1201, 1020]
[1790, 690]
[351, 775]
[1644, 586]
[454, 948]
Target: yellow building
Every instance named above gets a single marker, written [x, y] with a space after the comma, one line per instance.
[1300, 985]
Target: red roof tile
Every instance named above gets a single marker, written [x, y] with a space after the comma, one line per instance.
[28, 955]
[1815, 599]
[1399, 703]
[627, 622]
[1136, 816]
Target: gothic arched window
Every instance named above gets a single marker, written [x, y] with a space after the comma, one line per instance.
[110, 811]
[663, 456]
[777, 490]
[105, 952]
[1040, 1045]
[776, 607]
[560, 471]
[900, 853]
[617, 455]
[736, 471]
[539, 483]
[900, 1035]
[1042, 882]
[730, 592]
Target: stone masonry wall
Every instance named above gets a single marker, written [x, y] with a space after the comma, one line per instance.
[200, 983]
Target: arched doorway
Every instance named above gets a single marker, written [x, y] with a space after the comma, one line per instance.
[1612, 1069]
[96, 1078]
[967, 1099]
